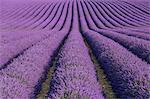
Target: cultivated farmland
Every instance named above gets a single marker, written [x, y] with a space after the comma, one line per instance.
[75, 49]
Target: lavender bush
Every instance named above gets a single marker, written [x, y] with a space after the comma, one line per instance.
[74, 72]
[128, 74]
[27, 70]
[138, 46]
[11, 49]
[36, 34]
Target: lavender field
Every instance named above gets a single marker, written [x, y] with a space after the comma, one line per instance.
[74, 49]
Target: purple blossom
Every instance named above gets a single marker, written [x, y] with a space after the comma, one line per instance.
[29, 68]
[74, 74]
[128, 74]
[31, 32]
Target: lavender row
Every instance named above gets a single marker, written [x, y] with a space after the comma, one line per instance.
[98, 22]
[40, 15]
[101, 16]
[125, 15]
[139, 47]
[127, 73]
[20, 15]
[92, 22]
[27, 14]
[104, 16]
[11, 11]
[133, 11]
[32, 16]
[103, 12]
[46, 18]
[143, 5]
[117, 18]
[113, 16]
[40, 18]
[110, 17]
[144, 30]
[57, 15]
[7, 37]
[63, 17]
[27, 9]
[36, 22]
[128, 13]
[49, 15]
[23, 76]
[137, 34]
[84, 12]
[10, 50]
[74, 75]
[123, 20]
[93, 26]
[137, 9]
[11, 36]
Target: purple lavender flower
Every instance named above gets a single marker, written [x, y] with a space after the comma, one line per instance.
[75, 74]
[128, 74]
